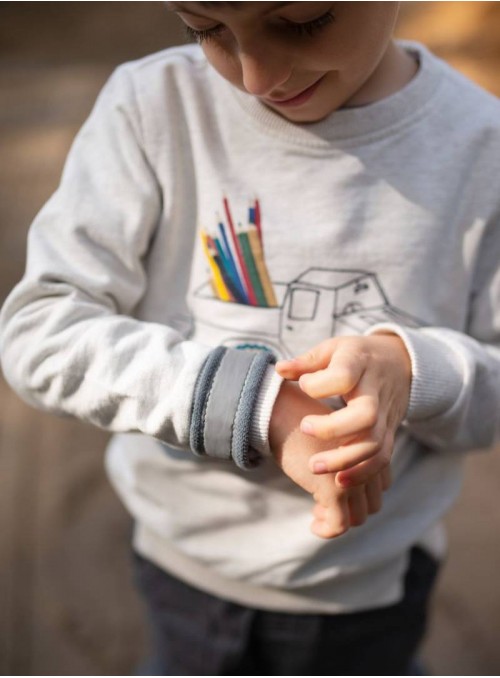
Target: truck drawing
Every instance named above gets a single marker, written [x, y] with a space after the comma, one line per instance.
[318, 304]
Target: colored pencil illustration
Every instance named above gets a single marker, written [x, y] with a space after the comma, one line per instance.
[239, 254]
[252, 268]
[258, 256]
[220, 287]
[258, 221]
[231, 283]
[237, 263]
[232, 264]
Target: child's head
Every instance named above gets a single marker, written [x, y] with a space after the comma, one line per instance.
[302, 59]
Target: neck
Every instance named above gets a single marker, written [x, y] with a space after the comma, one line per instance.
[394, 71]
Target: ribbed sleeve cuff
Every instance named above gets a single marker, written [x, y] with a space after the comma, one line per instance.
[259, 428]
[437, 371]
[224, 402]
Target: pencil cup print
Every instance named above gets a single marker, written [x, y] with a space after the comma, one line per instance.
[235, 255]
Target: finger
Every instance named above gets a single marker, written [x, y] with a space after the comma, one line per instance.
[319, 511]
[323, 529]
[333, 509]
[359, 415]
[386, 476]
[347, 457]
[289, 369]
[358, 506]
[340, 377]
[329, 528]
[363, 472]
[316, 358]
[373, 492]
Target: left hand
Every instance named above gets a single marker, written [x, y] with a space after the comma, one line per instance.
[373, 376]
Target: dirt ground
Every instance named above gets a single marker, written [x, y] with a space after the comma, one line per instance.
[67, 604]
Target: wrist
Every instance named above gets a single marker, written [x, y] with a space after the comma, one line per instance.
[400, 358]
[436, 371]
[290, 407]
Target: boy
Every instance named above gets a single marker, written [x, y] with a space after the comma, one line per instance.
[364, 163]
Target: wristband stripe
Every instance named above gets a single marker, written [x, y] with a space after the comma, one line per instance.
[225, 397]
[200, 399]
[244, 456]
[223, 402]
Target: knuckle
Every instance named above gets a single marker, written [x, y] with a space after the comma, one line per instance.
[370, 414]
[360, 479]
[376, 437]
[305, 382]
[385, 457]
[389, 439]
[372, 471]
[309, 356]
[374, 442]
[346, 377]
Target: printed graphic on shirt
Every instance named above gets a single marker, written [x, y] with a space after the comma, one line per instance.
[285, 318]
[236, 259]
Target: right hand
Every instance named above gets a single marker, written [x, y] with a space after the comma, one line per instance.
[336, 509]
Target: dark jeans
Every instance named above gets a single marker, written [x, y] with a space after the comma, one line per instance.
[195, 633]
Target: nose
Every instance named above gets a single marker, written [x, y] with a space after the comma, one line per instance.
[263, 70]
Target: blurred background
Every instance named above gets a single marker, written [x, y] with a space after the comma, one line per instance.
[67, 603]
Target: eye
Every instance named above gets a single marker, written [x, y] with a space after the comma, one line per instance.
[205, 34]
[306, 28]
[310, 27]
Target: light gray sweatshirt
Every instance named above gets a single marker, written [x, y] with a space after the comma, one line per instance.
[140, 313]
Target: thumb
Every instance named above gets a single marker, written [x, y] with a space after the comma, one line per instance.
[317, 358]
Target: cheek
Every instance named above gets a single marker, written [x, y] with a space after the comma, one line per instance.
[359, 37]
[375, 33]
[224, 63]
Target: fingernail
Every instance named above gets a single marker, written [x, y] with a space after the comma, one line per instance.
[307, 427]
[320, 467]
[279, 363]
[285, 364]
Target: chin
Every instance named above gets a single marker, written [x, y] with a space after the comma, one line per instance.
[305, 117]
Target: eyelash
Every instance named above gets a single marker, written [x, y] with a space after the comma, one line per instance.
[304, 29]
[310, 27]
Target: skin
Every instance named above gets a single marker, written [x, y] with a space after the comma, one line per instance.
[345, 53]
[257, 48]
[350, 448]
[336, 509]
[373, 376]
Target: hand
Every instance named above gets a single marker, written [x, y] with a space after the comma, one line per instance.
[336, 509]
[373, 376]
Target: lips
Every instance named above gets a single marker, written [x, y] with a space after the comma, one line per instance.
[296, 99]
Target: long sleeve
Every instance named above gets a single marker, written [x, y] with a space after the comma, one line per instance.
[70, 343]
[455, 391]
